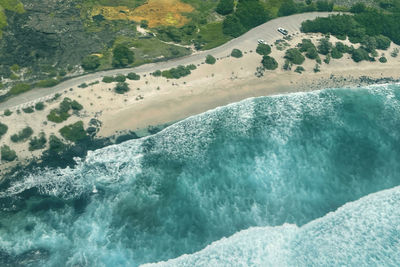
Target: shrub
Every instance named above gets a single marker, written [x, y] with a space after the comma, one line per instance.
[327, 59]
[144, 24]
[341, 47]
[7, 112]
[121, 88]
[39, 106]
[37, 142]
[299, 69]
[324, 46]
[178, 72]
[75, 105]
[236, 53]
[287, 65]
[210, 59]
[335, 53]
[231, 26]
[90, 62]
[157, 73]
[191, 67]
[382, 59]
[305, 45]
[120, 78]
[324, 6]
[3, 129]
[294, 56]
[225, 7]
[20, 88]
[46, 83]
[312, 53]
[7, 153]
[62, 113]
[317, 68]
[360, 54]
[288, 7]
[23, 135]
[263, 49]
[55, 144]
[358, 8]
[382, 42]
[73, 132]
[395, 52]
[56, 116]
[83, 85]
[108, 79]
[269, 63]
[133, 76]
[122, 56]
[28, 110]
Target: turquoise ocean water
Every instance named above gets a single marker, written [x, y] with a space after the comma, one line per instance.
[306, 179]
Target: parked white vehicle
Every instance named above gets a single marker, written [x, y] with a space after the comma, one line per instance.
[261, 41]
[283, 31]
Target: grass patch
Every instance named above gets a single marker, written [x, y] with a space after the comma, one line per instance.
[211, 36]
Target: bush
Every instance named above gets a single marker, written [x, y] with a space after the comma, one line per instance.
[335, 53]
[341, 47]
[178, 72]
[121, 88]
[108, 79]
[299, 69]
[28, 110]
[3, 129]
[382, 42]
[394, 53]
[191, 67]
[23, 135]
[317, 68]
[55, 144]
[90, 62]
[231, 26]
[39, 106]
[360, 54]
[120, 78]
[75, 105]
[144, 24]
[288, 7]
[83, 85]
[157, 73]
[382, 59]
[46, 83]
[122, 56]
[312, 53]
[358, 8]
[326, 6]
[269, 63]
[20, 88]
[225, 7]
[210, 59]
[56, 116]
[305, 45]
[133, 76]
[7, 153]
[294, 56]
[327, 59]
[263, 49]
[236, 53]
[37, 142]
[287, 65]
[324, 46]
[62, 113]
[7, 112]
[73, 132]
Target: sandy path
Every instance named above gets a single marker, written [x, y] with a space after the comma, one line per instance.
[266, 31]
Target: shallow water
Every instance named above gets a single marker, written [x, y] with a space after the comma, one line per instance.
[277, 163]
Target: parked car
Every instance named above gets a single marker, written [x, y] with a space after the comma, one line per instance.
[261, 41]
[283, 31]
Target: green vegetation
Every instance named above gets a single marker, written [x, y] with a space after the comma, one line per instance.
[317, 68]
[3, 129]
[225, 7]
[74, 132]
[178, 72]
[294, 56]
[133, 76]
[157, 73]
[63, 112]
[83, 85]
[360, 54]
[46, 83]
[108, 79]
[299, 69]
[236, 53]
[7, 112]
[382, 59]
[23, 135]
[20, 88]
[37, 143]
[7, 154]
[90, 62]
[324, 46]
[335, 53]
[210, 60]
[269, 63]
[395, 52]
[121, 88]
[122, 56]
[39, 106]
[263, 49]
[120, 78]
[210, 36]
[28, 110]
[55, 144]
[327, 59]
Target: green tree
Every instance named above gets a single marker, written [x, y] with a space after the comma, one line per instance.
[358, 8]
[269, 63]
[210, 60]
[294, 56]
[90, 62]
[7, 153]
[382, 42]
[37, 143]
[382, 59]
[360, 54]
[336, 53]
[263, 49]
[287, 8]
[122, 56]
[3, 129]
[225, 7]
[231, 26]
[324, 46]
[121, 88]
[251, 13]
[236, 53]
[312, 53]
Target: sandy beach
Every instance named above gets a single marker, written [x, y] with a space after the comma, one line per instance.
[153, 100]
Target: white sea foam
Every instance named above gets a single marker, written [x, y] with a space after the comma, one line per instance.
[361, 233]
